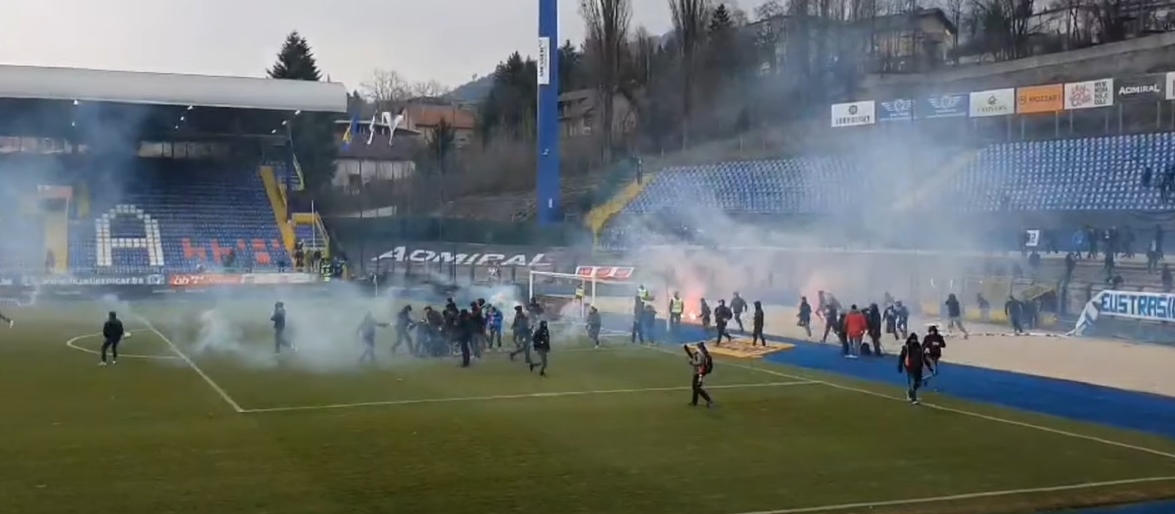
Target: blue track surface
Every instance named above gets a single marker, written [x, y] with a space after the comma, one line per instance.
[1073, 400]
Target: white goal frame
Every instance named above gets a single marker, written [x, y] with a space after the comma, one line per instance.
[587, 283]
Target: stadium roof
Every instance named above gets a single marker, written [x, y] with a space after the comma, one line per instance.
[32, 82]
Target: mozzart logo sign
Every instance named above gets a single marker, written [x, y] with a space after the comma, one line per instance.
[464, 258]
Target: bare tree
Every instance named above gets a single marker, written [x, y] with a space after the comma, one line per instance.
[691, 22]
[385, 88]
[607, 23]
[769, 9]
[430, 89]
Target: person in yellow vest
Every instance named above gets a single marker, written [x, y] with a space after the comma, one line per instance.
[579, 293]
[642, 293]
[676, 309]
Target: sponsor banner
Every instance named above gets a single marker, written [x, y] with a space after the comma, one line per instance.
[993, 102]
[1039, 99]
[271, 279]
[1141, 88]
[606, 272]
[854, 114]
[95, 280]
[952, 105]
[901, 109]
[1169, 85]
[467, 255]
[1137, 305]
[203, 280]
[1089, 94]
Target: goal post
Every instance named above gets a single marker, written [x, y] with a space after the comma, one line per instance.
[565, 285]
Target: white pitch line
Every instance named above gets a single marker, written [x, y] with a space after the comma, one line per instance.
[555, 394]
[72, 343]
[179, 353]
[957, 497]
[943, 408]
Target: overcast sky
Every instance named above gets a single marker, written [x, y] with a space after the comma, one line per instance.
[445, 40]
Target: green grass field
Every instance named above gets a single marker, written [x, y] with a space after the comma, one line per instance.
[608, 432]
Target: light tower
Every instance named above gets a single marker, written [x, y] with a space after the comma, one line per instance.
[548, 179]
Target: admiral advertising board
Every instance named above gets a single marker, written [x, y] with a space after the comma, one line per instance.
[1169, 86]
[854, 114]
[467, 255]
[1089, 94]
[901, 109]
[952, 105]
[993, 102]
[1141, 88]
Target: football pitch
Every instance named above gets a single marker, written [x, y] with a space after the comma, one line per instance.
[173, 428]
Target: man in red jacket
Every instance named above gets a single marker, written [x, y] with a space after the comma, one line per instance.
[855, 326]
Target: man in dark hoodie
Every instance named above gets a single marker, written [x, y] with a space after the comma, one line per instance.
[522, 334]
[593, 325]
[403, 330]
[912, 361]
[112, 333]
[873, 316]
[705, 314]
[737, 307]
[955, 315]
[638, 319]
[757, 325]
[804, 316]
[542, 346]
[933, 344]
[722, 316]
[1014, 309]
[831, 315]
[464, 330]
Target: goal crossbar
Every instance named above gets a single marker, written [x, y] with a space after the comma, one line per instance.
[588, 283]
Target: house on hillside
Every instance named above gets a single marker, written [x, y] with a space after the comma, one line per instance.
[898, 43]
[580, 114]
[425, 117]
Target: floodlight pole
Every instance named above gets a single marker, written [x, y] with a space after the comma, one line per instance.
[548, 178]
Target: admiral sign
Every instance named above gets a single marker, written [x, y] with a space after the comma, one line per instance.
[943, 106]
[487, 258]
[901, 109]
[993, 102]
[1089, 94]
[1143, 88]
[854, 114]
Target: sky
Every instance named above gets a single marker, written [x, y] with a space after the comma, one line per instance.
[444, 40]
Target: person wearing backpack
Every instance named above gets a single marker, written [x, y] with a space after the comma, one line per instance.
[703, 364]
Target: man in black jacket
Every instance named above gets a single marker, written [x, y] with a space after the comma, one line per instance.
[112, 332]
[403, 326]
[593, 325]
[279, 328]
[542, 345]
[757, 324]
[722, 316]
[1014, 309]
[873, 315]
[737, 307]
[638, 319]
[521, 328]
[932, 345]
[912, 361]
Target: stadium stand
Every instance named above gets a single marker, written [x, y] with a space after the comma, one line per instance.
[163, 195]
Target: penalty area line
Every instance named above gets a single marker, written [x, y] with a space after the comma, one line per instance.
[953, 410]
[555, 394]
[961, 497]
[191, 364]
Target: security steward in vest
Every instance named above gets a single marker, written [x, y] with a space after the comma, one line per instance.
[676, 309]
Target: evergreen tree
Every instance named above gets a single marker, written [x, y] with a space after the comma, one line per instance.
[295, 60]
[311, 133]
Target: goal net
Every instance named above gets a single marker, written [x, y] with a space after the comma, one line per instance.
[566, 297]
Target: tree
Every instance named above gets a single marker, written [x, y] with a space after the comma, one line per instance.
[295, 60]
[441, 143]
[386, 89]
[311, 134]
[768, 10]
[691, 19]
[607, 23]
[571, 72]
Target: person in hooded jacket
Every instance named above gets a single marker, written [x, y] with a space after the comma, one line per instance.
[912, 361]
[593, 325]
[804, 316]
[403, 330]
[542, 346]
[873, 315]
[722, 316]
[757, 324]
[737, 307]
[705, 315]
[933, 344]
